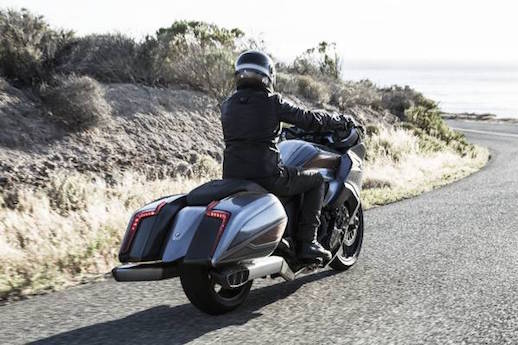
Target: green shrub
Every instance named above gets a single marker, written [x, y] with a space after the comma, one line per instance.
[28, 46]
[428, 143]
[76, 101]
[397, 100]
[112, 58]
[428, 119]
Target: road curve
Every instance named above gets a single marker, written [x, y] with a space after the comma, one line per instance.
[437, 269]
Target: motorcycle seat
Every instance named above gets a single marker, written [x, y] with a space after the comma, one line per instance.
[220, 189]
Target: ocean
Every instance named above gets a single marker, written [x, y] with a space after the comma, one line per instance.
[471, 88]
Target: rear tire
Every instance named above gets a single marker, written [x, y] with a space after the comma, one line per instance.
[351, 246]
[201, 289]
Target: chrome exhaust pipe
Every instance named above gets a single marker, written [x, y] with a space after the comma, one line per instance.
[237, 276]
[263, 267]
[144, 272]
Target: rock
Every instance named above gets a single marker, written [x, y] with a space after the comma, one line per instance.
[11, 199]
[4, 180]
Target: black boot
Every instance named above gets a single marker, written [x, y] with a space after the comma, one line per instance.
[308, 251]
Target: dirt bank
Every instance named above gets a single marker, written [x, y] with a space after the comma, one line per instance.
[158, 132]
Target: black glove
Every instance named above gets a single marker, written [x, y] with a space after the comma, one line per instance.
[349, 122]
[360, 129]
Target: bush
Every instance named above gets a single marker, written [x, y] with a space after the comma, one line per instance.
[319, 61]
[350, 94]
[312, 89]
[197, 54]
[108, 58]
[371, 130]
[303, 86]
[28, 46]
[397, 100]
[427, 143]
[76, 101]
[202, 68]
[428, 119]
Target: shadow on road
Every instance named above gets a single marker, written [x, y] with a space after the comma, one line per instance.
[179, 324]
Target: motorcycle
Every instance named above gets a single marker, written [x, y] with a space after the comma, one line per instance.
[224, 234]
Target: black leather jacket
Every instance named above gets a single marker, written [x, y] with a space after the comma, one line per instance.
[251, 127]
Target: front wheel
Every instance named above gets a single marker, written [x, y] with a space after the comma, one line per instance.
[351, 246]
[208, 296]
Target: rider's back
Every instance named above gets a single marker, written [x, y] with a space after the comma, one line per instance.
[251, 128]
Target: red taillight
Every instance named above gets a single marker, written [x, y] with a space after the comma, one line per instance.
[130, 234]
[223, 215]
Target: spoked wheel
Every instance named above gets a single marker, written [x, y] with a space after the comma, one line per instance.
[351, 245]
[208, 296]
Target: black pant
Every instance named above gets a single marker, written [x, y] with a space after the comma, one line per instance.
[294, 181]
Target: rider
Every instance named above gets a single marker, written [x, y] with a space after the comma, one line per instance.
[251, 119]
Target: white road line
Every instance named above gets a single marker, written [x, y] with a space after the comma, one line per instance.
[499, 134]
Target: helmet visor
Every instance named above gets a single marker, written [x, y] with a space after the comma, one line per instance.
[257, 61]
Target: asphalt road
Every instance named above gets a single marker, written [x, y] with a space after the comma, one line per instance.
[437, 269]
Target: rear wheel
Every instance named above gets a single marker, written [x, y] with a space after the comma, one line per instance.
[208, 296]
[351, 246]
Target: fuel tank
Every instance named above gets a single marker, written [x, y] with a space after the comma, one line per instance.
[296, 152]
[299, 153]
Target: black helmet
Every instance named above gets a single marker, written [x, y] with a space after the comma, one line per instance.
[255, 68]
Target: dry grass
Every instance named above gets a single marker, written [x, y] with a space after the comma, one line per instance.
[400, 167]
[71, 231]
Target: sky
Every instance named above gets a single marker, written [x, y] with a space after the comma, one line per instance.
[364, 30]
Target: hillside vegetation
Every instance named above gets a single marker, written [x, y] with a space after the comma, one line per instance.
[93, 127]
